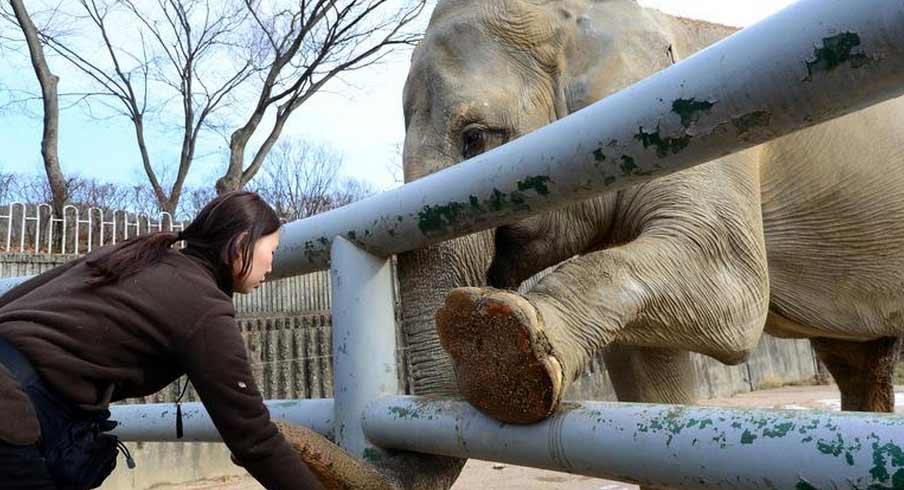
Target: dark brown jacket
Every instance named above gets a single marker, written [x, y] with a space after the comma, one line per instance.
[96, 345]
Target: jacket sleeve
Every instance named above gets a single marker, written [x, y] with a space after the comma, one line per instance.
[214, 357]
[36, 282]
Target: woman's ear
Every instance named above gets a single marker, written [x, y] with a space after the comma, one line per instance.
[241, 240]
[238, 261]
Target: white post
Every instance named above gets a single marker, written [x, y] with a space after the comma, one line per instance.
[364, 347]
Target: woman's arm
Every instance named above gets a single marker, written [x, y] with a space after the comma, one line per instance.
[214, 357]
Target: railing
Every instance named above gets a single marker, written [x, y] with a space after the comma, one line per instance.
[33, 228]
[568, 161]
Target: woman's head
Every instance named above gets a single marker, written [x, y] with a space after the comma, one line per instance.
[242, 231]
[237, 231]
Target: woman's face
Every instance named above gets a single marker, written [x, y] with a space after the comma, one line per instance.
[262, 264]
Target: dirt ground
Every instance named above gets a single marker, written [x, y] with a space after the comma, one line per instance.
[484, 475]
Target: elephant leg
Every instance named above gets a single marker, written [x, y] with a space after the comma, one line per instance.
[694, 277]
[648, 375]
[864, 371]
[514, 355]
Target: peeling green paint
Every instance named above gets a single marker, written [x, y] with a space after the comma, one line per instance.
[628, 166]
[404, 413]
[835, 51]
[748, 437]
[537, 184]
[833, 448]
[780, 430]
[746, 123]
[372, 455]
[497, 201]
[804, 485]
[663, 145]
[517, 198]
[897, 481]
[598, 155]
[438, 218]
[879, 472]
[690, 110]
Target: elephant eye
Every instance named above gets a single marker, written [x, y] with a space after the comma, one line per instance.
[473, 142]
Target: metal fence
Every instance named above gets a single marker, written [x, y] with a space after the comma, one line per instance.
[33, 228]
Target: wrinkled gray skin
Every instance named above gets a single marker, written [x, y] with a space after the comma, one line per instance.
[803, 236]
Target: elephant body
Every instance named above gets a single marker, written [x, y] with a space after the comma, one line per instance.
[802, 236]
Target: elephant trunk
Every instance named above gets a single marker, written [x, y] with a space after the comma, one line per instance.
[425, 278]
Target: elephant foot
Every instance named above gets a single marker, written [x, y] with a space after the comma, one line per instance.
[502, 358]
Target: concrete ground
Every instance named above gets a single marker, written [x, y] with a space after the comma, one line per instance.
[484, 475]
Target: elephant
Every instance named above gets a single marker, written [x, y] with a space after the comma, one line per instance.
[800, 237]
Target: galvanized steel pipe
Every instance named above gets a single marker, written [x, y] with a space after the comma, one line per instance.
[156, 422]
[678, 447]
[813, 61]
[10, 282]
[364, 342]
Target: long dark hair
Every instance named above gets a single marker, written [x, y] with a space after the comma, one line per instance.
[226, 228]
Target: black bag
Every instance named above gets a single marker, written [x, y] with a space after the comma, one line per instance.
[81, 455]
[75, 444]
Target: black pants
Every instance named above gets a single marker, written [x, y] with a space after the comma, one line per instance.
[23, 468]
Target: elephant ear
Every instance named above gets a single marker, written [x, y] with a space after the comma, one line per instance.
[540, 29]
[690, 35]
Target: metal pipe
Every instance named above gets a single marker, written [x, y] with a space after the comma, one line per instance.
[156, 422]
[364, 342]
[814, 61]
[10, 282]
[661, 445]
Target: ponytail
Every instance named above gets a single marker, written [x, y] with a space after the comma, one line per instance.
[225, 230]
[131, 256]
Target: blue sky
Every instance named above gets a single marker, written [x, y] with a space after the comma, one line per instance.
[360, 116]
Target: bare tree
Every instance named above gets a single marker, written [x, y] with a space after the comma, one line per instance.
[351, 190]
[310, 43]
[206, 57]
[301, 179]
[394, 167]
[106, 196]
[48, 82]
[6, 187]
[197, 199]
[184, 50]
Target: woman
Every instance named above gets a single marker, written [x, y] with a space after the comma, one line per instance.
[124, 322]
